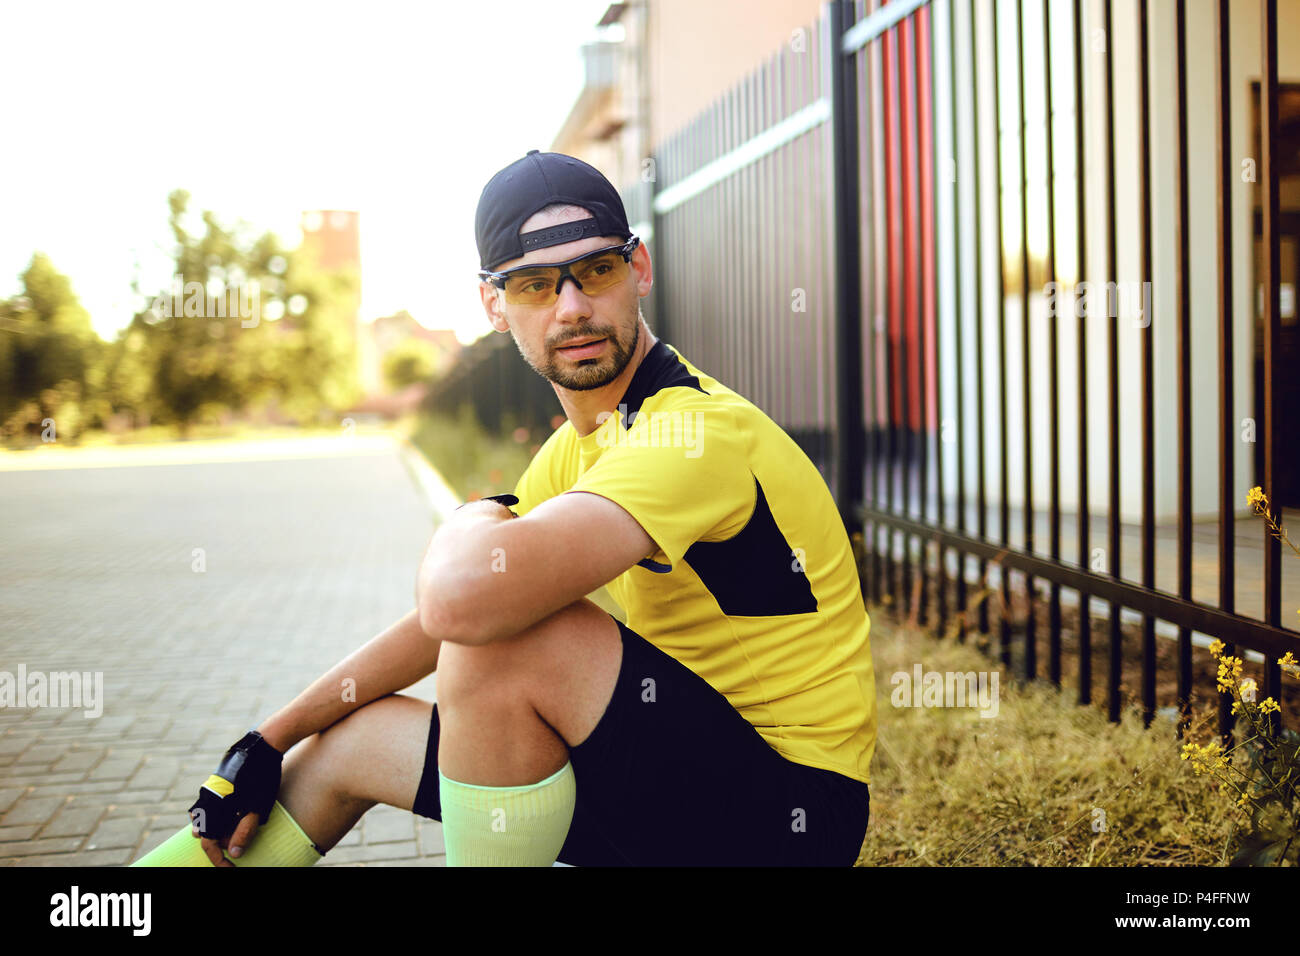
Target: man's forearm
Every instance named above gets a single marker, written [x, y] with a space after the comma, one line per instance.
[392, 660]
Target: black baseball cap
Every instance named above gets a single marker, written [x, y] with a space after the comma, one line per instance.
[532, 183]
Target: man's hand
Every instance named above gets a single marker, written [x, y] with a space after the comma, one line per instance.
[235, 843]
[238, 798]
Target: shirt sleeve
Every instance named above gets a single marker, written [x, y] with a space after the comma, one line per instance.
[693, 485]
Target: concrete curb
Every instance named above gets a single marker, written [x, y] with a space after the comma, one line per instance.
[433, 488]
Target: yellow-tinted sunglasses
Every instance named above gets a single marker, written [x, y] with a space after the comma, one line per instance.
[592, 273]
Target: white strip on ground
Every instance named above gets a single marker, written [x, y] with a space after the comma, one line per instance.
[433, 488]
[56, 456]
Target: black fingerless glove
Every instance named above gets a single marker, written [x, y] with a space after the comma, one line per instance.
[246, 781]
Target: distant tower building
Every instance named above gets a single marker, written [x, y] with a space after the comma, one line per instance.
[335, 235]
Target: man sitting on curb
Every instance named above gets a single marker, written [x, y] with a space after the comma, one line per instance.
[730, 721]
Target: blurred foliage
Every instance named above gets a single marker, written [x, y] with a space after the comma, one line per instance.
[474, 461]
[411, 360]
[247, 327]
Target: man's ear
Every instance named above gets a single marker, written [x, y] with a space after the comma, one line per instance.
[643, 269]
[493, 306]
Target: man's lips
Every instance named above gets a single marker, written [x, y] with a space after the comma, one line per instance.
[584, 348]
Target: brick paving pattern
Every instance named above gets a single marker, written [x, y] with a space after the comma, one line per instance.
[305, 560]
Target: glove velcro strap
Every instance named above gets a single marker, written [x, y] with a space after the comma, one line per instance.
[219, 785]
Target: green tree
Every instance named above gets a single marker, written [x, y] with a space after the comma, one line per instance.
[50, 357]
[245, 323]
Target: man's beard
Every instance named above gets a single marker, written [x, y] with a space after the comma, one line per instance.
[594, 372]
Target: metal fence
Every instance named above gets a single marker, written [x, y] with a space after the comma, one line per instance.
[865, 239]
[492, 378]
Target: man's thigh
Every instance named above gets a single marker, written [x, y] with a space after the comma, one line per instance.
[673, 775]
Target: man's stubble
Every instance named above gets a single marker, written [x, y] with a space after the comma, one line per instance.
[591, 373]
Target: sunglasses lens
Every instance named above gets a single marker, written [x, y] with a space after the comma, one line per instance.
[595, 274]
[535, 288]
[600, 272]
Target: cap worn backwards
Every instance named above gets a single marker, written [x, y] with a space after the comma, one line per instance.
[532, 183]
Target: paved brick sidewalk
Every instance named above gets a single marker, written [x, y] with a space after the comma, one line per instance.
[305, 560]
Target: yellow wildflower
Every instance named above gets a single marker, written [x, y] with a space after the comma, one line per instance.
[1216, 647]
[1257, 499]
[1269, 706]
[1229, 671]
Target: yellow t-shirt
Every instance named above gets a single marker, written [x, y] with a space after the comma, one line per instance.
[754, 586]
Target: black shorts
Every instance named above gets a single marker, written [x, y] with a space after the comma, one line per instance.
[673, 775]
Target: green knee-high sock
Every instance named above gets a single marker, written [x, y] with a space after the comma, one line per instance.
[278, 842]
[507, 826]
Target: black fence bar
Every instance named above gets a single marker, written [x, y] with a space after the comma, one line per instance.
[730, 197]
[1182, 277]
[770, 263]
[959, 352]
[741, 184]
[777, 255]
[848, 273]
[1112, 384]
[1148, 368]
[821, 147]
[761, 254]
[936, 304]
[658, 228]
[869, 78]
[880, 535]
[1031, 651]
[917, 210]
[981, 520]
[907, 160]
[881, 171]
[897, 383]
[739, 344]
[1081, 246]
[1053, 368]
[1225, 182]
[750, 182]
[1004, 496]
[1270, 279]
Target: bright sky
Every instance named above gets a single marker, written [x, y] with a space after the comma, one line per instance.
[263, 110]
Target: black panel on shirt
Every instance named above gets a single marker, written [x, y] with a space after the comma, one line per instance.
[753, 574]
[659, 369]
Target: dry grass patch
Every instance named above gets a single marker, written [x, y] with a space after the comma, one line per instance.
[1045, 782]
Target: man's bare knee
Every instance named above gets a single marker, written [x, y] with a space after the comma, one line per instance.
[514, 663]
[563, 668]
